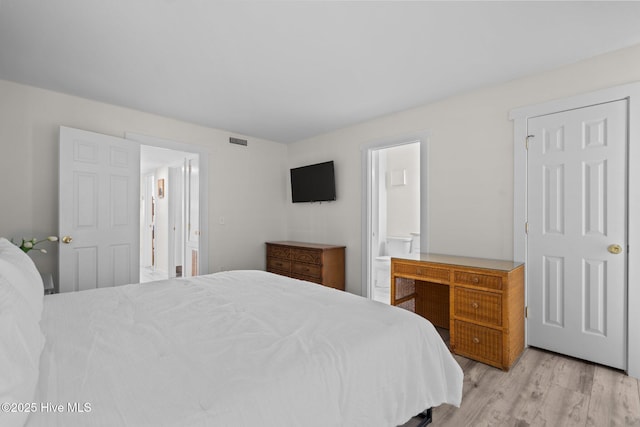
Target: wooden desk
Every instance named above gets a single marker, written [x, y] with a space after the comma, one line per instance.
[480, 301]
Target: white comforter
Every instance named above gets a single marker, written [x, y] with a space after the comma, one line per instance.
[237, 348]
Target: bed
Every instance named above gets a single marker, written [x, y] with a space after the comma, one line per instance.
[237, 348]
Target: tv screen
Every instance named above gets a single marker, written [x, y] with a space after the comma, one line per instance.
[313, 183]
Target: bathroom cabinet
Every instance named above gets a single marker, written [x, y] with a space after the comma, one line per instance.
[318, 263]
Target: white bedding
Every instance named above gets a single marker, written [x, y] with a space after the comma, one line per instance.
[237, 349]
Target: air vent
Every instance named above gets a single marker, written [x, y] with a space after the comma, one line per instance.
[238, 141]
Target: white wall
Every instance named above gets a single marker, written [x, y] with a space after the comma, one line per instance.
[403, 201]
[247, 185]
[471, 162]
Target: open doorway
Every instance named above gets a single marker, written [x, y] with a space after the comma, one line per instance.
[394, 215]
[395, 209]
[169, 213]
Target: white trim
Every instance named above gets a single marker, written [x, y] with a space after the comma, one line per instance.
[203, 242]
[366, 149]
[630, 92]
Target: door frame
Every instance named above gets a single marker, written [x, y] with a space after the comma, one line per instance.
[176, 186]
[366, 195]
[203, 154]
[520, 116]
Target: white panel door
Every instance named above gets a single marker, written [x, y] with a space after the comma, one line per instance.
[577, 222]
[99, 210]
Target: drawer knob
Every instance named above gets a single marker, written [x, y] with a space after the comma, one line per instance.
[475, 304]
[476, 340]
[475, 279]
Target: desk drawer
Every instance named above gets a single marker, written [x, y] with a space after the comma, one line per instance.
[307, 256]
[478, 342]
[428, 273]
[308, 270]
[478, 306]
[483, 280]
[278, 264]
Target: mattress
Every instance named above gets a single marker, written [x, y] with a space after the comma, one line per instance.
[236, 349]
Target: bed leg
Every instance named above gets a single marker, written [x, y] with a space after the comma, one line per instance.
[425, 418]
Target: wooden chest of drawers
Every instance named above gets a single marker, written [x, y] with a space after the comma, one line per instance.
[480, 301]
[323, 264]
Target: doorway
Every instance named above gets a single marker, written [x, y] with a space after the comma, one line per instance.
[394, 208]
[168, 195]
[99, 209]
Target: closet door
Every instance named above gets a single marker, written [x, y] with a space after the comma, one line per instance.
[577, 248]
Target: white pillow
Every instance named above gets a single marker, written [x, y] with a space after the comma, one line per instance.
[21, 342]
[19, 270]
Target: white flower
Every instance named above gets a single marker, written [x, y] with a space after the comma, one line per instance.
[30, 244]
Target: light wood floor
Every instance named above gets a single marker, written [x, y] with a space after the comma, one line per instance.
[542, 389]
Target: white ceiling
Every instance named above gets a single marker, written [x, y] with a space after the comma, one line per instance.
[286, 71]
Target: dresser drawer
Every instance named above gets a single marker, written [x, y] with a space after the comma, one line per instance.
[478, 306]
[306, 255]
[475, 279]
[423, 272]
[278, 251]
[278, 264]
[308, 270]
[478, 342]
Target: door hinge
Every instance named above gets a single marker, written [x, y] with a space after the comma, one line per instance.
[526, 311]
[526, 141]
[526, 227]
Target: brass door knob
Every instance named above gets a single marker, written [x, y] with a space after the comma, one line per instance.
[67, 239]
[615, 249]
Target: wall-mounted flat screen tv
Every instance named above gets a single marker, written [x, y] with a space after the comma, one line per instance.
[313, 183]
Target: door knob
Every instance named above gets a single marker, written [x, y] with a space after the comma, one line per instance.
[67, 239]
[615, 249]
